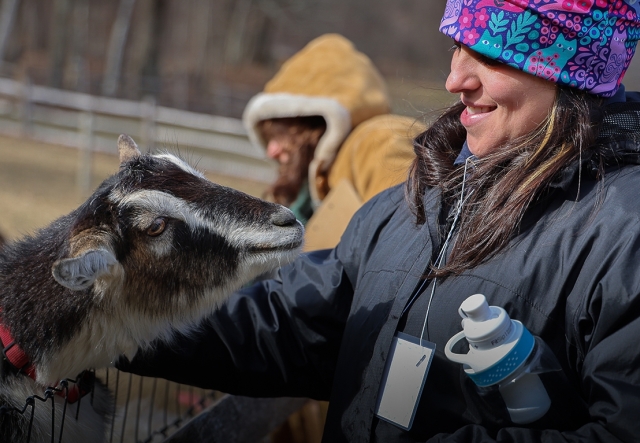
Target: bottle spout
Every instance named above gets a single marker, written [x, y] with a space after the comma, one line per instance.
[475, 308]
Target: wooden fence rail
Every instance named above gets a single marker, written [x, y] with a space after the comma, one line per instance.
[90, 123]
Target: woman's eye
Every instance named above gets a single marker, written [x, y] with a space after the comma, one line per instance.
[488, 61]
[157, 227]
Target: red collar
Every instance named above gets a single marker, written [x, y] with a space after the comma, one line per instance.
[19, 360]
[14, 353]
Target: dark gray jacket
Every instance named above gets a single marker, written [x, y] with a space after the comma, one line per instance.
[324, 328]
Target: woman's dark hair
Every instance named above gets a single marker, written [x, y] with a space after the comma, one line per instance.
[299, 136]
[504, 182]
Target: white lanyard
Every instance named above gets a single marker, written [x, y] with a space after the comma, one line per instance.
[440, 260]
[409, 359]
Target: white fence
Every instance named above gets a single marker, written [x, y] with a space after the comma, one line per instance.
[218, 144]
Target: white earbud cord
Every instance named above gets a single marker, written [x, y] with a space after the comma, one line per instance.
[443, 252]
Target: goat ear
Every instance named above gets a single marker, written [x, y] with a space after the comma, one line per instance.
[127, 148]
[80, 272]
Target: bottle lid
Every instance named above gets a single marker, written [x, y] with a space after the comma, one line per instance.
[476, 308]
[485, 327]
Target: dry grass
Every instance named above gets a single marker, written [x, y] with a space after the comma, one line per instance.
[38, 183]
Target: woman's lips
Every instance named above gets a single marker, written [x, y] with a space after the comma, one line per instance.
[473, 110]
[473, 114]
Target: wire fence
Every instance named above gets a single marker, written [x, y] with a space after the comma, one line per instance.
[146, 409]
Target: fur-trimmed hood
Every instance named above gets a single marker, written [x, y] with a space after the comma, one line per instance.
[330, 78]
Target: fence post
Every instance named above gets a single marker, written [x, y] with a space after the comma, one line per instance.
[148, 124]
[85, 156]
[26, 107]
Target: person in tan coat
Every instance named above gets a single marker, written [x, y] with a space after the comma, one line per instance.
[325, 118]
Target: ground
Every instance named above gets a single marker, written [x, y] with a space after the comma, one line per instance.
[38, 183]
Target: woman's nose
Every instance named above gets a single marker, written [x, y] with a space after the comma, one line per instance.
[274, 149]
[464, 74]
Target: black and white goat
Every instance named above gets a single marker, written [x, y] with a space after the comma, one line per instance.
[156, 248]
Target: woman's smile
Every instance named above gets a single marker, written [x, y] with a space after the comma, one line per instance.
[473, 115]
[502, 103]
[475, 110]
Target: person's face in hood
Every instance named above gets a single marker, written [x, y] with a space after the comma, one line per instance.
[502, 103]
[276, 149]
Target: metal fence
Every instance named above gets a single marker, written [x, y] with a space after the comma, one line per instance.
[150, 410]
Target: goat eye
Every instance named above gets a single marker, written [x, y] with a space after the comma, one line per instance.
[157, 227]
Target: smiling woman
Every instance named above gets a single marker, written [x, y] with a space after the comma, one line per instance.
[525, 113]
[502, 103]
[525, 192]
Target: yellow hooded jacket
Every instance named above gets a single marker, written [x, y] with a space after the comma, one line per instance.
[363, 143]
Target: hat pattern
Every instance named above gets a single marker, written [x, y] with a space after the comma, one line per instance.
[584, 44]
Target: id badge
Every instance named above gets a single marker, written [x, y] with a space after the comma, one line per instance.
[403, 379]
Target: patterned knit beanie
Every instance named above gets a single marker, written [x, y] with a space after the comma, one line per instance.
[584, 44]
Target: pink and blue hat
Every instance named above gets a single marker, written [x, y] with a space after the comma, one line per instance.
[584, 44]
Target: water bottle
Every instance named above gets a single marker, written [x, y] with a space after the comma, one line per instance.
[499, 351]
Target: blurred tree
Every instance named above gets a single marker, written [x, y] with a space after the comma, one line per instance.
[149, 53]
[79, 80]
[7, 19]
[237, 30]
[252, 24]
[115, 51]
[58, 41]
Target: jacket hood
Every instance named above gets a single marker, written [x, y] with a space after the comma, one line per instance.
[618, 142]
[620, 133]
[330, 78]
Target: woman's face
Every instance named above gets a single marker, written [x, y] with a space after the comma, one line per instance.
[502, 103]
[276, 150]
[286, 136]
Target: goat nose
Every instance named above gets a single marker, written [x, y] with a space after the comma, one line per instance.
[283, 217]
